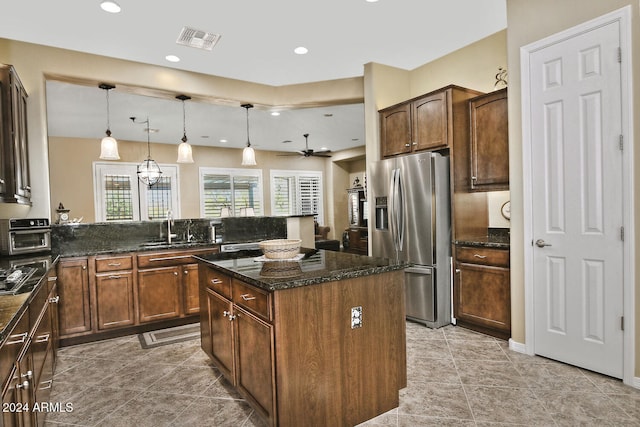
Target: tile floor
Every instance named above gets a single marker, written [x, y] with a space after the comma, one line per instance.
[455, 378]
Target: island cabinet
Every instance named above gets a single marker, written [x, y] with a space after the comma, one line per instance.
[482, 295]
[326, 354]
[428, 122]
[489, 142]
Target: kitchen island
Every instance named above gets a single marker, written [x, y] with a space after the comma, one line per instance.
[316, 341]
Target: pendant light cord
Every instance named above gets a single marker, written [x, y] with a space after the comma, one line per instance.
[248, 142]
[108, 115]
[184, 123]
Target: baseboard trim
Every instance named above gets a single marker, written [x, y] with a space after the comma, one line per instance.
[516, 346]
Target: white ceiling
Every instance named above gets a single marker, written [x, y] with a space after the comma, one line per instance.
[256, 45]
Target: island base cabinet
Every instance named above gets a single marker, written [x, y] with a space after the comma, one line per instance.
[255, 375]
[328, 372]
[303, 359]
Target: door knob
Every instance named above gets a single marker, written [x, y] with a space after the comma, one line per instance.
[541, 243]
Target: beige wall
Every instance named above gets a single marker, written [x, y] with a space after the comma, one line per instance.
[529, 21]
[36, 63]
[71, 177]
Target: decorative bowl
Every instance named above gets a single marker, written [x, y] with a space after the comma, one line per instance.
[280, 248]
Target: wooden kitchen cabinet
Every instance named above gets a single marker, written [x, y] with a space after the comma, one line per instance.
[237, 336]
[279, 348]
[74, 310]
[482, 294]
[159, 294]
[489, 142]
[14, 162]
[114, 295]
[428, 122]
[28, 357]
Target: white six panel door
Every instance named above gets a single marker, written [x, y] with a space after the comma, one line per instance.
[577, 200]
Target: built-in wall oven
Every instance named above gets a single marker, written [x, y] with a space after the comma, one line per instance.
[24, 235]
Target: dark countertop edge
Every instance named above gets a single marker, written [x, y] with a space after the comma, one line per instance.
[294, 283]
[25, 305]
[482, 243]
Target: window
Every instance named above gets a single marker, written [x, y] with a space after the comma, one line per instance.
[297, 193]
[236, 189]
[119, 196]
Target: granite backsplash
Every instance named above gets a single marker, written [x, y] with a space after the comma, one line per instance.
[105, 237]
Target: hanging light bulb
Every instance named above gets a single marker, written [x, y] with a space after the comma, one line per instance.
[185, 153]
[148, 171]
[248, 154]
[108, 145]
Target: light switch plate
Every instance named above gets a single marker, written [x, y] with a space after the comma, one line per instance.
[356, 317]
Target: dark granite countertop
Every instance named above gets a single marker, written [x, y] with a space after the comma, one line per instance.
[497, 238]
[12, 306]
[319, 266]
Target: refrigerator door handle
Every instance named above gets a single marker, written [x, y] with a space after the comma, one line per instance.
[400, 209]
[391, 205]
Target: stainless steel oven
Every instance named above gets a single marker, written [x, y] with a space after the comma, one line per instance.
[24, 235]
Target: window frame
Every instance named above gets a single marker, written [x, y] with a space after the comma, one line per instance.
[231, 172]
[139, 191]
[297, 174]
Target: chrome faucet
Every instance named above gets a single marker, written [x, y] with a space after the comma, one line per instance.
[169, 225]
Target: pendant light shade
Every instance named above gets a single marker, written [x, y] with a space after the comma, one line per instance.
[248, 154]
[108, 145]
[185, 153]
[149, 172]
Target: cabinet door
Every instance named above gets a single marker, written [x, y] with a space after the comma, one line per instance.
[191, 290]
[489, 142]
[221, 331]
[430, 122]
[483, 296]
[159, 294]
[395, 130]
[13, 416]
[20, 153]
[73, 288]
[114, 300]
[255, 375]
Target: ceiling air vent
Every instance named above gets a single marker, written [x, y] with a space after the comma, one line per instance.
[197, 38]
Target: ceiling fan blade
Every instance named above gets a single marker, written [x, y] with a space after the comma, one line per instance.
[288, 154]
[320, 155]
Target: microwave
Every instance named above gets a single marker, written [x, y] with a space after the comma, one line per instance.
[24, 235]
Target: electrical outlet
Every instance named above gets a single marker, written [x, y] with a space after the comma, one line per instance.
[356, 317]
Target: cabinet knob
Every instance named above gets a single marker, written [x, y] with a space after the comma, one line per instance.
[24, 385]
[407, 145]
[1, 181]
[457, 271]
[54, 300]
[84, 267]
[415, 143]
[175, 273]
[28, 375]
[186, 271]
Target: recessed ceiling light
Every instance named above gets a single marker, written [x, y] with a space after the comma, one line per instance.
[110, 6]
[301, 50]
[275, 113]
[371, 1]
[172, 58]
[323, 148]
[224, 141]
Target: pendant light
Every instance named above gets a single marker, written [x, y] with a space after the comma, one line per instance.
[148, 171]
[108, 145]
[185, 153]
[248, 154]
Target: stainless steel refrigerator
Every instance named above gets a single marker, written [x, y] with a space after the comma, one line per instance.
[412, 223]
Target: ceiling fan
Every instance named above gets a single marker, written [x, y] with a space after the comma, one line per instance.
[308, 152]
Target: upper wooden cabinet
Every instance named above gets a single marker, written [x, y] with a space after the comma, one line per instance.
[427, 122]
[489, 138]
[15, 185]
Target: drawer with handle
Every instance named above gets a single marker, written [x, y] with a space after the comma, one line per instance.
[216, 281]
[484, 256]
[114, 263]
[253, 299]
